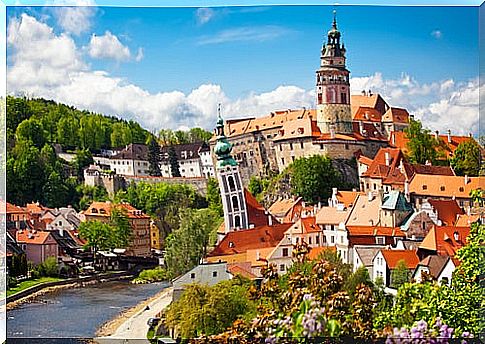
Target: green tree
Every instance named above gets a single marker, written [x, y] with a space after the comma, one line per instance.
[400, 274]
[121, 227]
[188, 244]
[154, 157]
[98, 235]
[466, 159]
[174, 163]
[67, 132]
[167, 137]
[313, 178]
[31, 130]
[55, 192]
[213, 196]
[199, 135]
[358, 277]
[422, 145]
[83, 159]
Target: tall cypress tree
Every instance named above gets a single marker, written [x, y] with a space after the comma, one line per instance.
[154, 157]
[174, 162]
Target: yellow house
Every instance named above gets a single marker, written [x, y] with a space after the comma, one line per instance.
[155, 243]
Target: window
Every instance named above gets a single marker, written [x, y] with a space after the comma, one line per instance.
[332, 239]
[380, 240]
[235, 203]
[282, 161]
[285, 252]
[442, 188]
[237, 221]
[317, 240]
[154, 242]
[343, 97]
[232, 186]
[319, 98]
[347, 146]
[310, 240]
[292, 158]
[282, 267]
[341, 239]
[425, 187]
[192, 275]
[291, 146]
[462, 189]
[214, 273]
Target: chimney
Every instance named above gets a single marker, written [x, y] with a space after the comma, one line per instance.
[467, 179]
[363, 92]
[436, 134]
[456, 236]
[270, 220]
[61, 232]
[361, 128]
[370, 93]
[388, 159]
[411, 117]
[258, 256]
[470, 135]
[449, 136]
[393, 138]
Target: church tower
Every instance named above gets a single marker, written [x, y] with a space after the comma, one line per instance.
[230, 184]
[333, 88]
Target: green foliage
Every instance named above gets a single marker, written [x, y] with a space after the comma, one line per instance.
[97, 234]
[55, 191]
[19, 265]
[258, 186]
[359, 277]
[466, 159]
[49, 268]
[162, 201]
[170, 137]
[422, 145]
[188, 244]
[31, 130]
[121, 227]
[213, 196]
[313, 178]
[204, 310]
[400, 275]
[90, 194]
[157, 274]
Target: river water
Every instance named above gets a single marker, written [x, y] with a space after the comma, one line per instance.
[76, 312]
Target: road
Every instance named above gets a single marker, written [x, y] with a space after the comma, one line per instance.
[135, 328]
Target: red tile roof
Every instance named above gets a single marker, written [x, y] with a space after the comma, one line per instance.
[347, 198]
[32, 237]
[392, 258]
[396, 115]
[13, 209]
[256, 212]
[104, 209]
[255, 238]
[368, 114]
[448, 210]
[315, 252]
[242, 269]
[375, 231]
[441, 239]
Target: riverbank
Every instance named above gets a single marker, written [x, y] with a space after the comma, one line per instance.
[132, 323]
[29, 294]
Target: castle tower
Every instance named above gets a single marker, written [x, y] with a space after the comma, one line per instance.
[230, 184]
[333, 87]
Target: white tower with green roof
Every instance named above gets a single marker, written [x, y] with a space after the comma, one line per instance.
[230, 184]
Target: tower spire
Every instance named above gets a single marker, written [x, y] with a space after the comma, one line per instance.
[334, 24]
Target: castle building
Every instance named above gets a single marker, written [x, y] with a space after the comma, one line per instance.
[341, 126]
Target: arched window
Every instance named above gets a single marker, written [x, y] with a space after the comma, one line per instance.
[237, 221]
[235, 203]
[232, 185]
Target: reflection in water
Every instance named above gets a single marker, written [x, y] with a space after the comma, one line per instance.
[76, 312]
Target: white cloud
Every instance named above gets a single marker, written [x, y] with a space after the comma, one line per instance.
[47, 65]
[74, 16]
[240, 34]
[204, 15]
[108, 46]
[139, 55]
[436, 34]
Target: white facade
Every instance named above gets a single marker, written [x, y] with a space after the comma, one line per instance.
[188, 168]
[207, 164]
[126, 167]
[379, 267]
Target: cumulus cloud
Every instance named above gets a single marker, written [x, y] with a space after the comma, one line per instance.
[45, 64]
[108, 46]
[74, 16]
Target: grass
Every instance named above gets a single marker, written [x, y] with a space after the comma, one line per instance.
[30, 283]
[150, 333]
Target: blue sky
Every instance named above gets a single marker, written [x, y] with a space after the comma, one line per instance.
[244, 55]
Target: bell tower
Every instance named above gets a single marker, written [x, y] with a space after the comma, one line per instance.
[333, 86]
[230, 184]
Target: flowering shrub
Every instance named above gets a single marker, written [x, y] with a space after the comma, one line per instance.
[421, 333]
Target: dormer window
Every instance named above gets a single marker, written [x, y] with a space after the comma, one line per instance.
[425, 187]
[442, 188]
[94, 211]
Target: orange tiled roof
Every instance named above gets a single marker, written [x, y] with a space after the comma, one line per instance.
[375, 231]
[304, 127]
[347, 198]
[37, 237]
[304, 226]
[396, 115]
[365, 160]
[242, 269]
[392, 258]
[374, 101]
[444, 186]
[378, 168]
[13, 209]
[332, 216]
[282, 207]
[104, 209]
[255, 238]
[35, 208]
[369, 114]
[466, 220]
[316, 251]
[256, 212]
[447, 210]
[442, 239]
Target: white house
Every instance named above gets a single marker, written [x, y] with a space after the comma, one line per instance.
[439, 267]
[194, 160]
[387, 260]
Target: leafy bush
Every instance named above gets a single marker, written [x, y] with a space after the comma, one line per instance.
[152, 275]
[49, 268]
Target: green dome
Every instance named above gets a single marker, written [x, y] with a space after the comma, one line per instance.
[222, 148]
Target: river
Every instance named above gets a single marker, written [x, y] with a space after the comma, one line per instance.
[77, 312]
